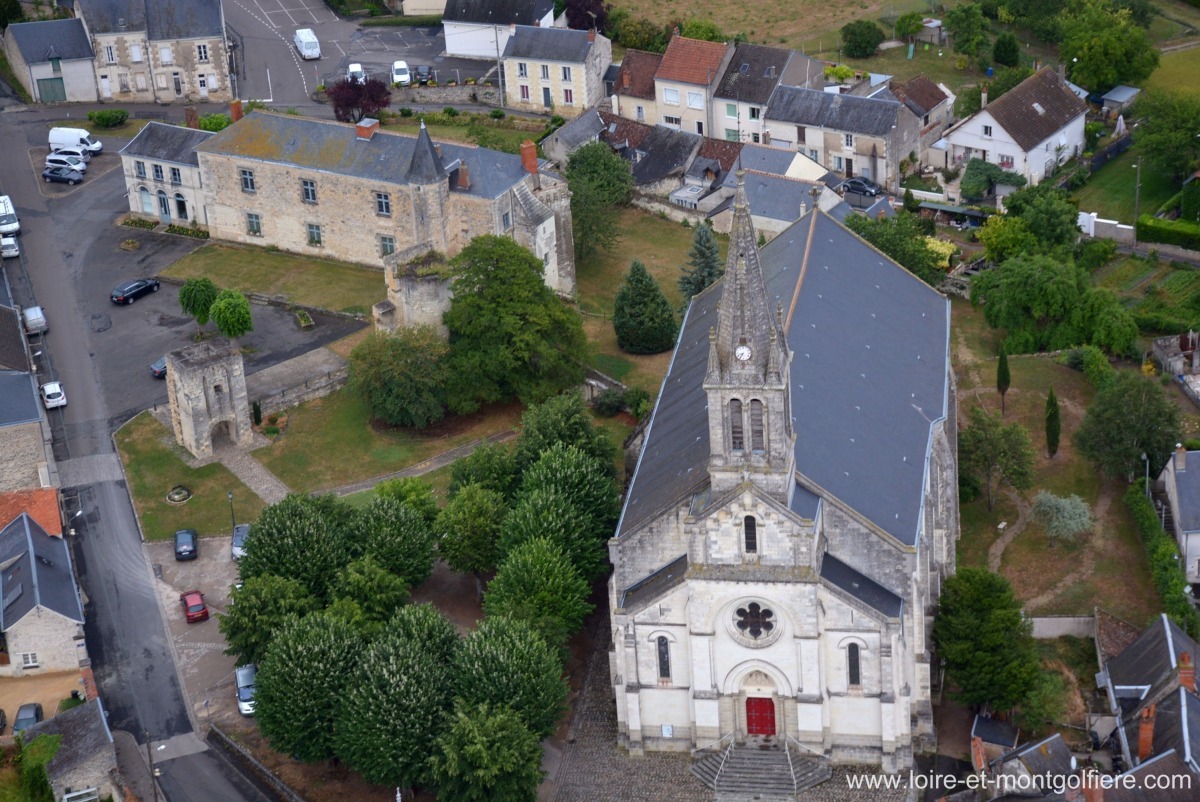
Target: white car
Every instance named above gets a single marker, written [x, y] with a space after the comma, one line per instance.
[356, 74]
[53, 395]
[244, 677]
[9, 249]
[71, 162]
[400, 74]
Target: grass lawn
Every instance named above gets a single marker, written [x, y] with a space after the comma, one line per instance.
[662, 246]
[1153, 287]
[1110, 192]
[330, 442]
[511, 137]
[1177, 71]
[321, 283]
[153, 466]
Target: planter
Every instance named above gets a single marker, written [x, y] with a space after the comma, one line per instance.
[178, 494]
[304, 320]
[130, 245]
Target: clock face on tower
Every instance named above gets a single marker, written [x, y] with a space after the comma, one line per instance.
[742, 352]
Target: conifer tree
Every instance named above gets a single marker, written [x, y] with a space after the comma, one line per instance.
[1003, 378]
[705, 259]
[642, 316]
[1053, 423]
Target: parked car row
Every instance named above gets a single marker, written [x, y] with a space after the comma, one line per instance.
[70, 151]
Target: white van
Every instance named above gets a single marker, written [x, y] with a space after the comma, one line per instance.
[9, 224]
[307, 44]
[74, 138]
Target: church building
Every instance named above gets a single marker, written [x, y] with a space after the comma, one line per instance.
[794, 509]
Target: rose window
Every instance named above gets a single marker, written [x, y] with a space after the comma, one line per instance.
[754, 620]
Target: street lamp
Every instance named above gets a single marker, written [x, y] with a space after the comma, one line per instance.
[232, 519]
[1146, 460]
[1137, 201]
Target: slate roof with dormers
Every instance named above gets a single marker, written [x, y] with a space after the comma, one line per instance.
[1168, 764]
[37, 573]
[13, 355]
[1176, 725]
[635, 78]
[548, 44]
[39, 42]
[1151, 661]
[1035, 109]
[333, 147]
[691, 61]
[112, 16]
[753, 73]
[869, 381]
[622, 132]
[811, 107]
[497, 12]
[167, 143]
[18, 398]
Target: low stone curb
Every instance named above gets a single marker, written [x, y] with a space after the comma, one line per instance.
[267, 780]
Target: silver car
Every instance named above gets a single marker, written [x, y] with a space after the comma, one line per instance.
[71, 162]
[244, 677]
[240, 533]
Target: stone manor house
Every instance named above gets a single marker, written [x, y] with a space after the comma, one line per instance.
[794, 509]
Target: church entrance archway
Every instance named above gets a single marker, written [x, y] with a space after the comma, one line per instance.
[760, 715]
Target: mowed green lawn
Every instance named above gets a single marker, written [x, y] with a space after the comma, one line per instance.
[1178, 71]
[1111, 193]
[321, 283]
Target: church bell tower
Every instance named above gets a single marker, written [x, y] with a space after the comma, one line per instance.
[748, 380]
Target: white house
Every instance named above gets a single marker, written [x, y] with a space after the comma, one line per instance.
[52, 59]
[1181, 478]
[1029, 130]
[481, 28]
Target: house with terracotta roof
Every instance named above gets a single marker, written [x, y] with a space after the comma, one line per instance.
[933, 104]
[1030, 130]
[685, 82]
[741, 97]
[555, 70]
[40, 504]
[633, 92]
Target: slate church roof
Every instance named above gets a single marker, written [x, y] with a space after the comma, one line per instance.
[41, 41]
[869, 379]
[35, 571]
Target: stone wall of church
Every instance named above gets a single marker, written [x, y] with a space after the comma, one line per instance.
[721, 536]
[641, 553]
[867, 551]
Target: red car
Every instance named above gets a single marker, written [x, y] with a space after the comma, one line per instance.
[194, 608]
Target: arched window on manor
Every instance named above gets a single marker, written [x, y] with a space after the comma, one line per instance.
[853, 665]
[756, 425]
[750, 529]
[736, 440]
[181, 206]
[664, 658]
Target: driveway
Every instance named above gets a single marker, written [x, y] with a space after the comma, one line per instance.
[47, 689]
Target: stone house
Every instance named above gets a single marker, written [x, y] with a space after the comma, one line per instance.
[685, 82]
[753, 73]
[847, 134]
[634, 96]
[481, 28]
[86, 758]
[359, 194]
[162, 174]
[793, 512]
[555, 70]
[149, 51]
[52, 59]
[42, 619]
[1030, 130]
[933, 104]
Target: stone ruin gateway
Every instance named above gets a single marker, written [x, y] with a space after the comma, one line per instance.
[206, 388]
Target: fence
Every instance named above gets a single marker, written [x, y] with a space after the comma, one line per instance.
[1095, 226]
[1110, 151]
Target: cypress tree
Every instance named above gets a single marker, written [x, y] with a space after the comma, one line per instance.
[705, 259]
[1053, 423]
[1003, 379]
[642, 316]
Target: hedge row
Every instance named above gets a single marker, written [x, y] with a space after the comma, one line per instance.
[1163, 556]
[1171, 232]
[426, 21]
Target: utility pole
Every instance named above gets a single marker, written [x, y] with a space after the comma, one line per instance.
[1137, 198]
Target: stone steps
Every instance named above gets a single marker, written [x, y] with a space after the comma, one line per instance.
[759, 773]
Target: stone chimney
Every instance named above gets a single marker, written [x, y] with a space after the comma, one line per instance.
[464, 178]
[803, 208]
[592, 35]
[191, 117]
[983, 98]
[1180, 458]
[366, 127]
[1062, 73]
[1187, 672]
[437, 148]
[1146, 734]
[235, 110]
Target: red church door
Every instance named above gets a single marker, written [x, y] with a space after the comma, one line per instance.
[760, 716]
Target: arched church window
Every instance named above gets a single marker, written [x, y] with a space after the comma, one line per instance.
[756, 425]
[853, 665]
[737, 442]
[664, 658]
[750, 529]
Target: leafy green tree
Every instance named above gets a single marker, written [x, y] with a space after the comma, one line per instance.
[469, 527]
[1004, 237]
[861, 38]
[1166, 134]
[402, 376]
[985, 641]
[394, 708]
[704, 29]
[911, 204]
[967, 29]
[642, 317]
[510, 335]
[1104, 47]
[257, 610]
[301, 684]
[981, 177]
[302, 537]
[1106, 321]
[995, 453]
[487, 755]
[1048, 214]
[504, 662]
[399, 538]
[1053, 423]
[639, 33]
[10, 12]
[582, 480]
[600, 182]
[909, 25]
[705, 259]
[1063, 517]
[196, 298]
[231, 314]
[491, 466]
[1003, 377]
[425, 624]
[970, 99]
[1130, 416]
[215, 122]
[551, 513]
[537, 584]
[563, 419]
[1045, 702]
[1006, 51]
[902, 239]
[376, 592]
[411, 491]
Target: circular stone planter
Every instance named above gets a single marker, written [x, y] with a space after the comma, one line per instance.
[178, 494]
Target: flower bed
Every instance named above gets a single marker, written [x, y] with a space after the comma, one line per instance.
[187, 231]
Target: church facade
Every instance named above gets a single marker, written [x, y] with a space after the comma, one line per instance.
[794, 509]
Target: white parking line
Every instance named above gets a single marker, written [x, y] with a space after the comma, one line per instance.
[292, 50]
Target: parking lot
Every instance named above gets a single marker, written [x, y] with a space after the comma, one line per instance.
[376, 48]
[100, 165]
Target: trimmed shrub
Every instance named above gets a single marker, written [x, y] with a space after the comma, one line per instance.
[1095, 253]
[108, 118]
[450, 111]
[1063, 518]
[1189, 201]
[1163, 557]
[497, 114]
[1183, 233]
[609, 402]
[405, 111]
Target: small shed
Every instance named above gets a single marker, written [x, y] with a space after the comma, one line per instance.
[1118, 99]
[931, 31]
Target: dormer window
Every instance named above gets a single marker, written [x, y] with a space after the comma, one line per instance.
[750, 531]
[736, 440]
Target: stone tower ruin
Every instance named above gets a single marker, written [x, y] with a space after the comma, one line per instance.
[206, 387]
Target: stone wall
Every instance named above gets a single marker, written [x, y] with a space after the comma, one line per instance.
[315, 387]
[461, 95]
[1057, 626]
[52, 637]
[21, 446]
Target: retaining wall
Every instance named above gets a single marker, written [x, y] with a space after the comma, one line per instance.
[315, 387]
[248, 764]
[1047, 627]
